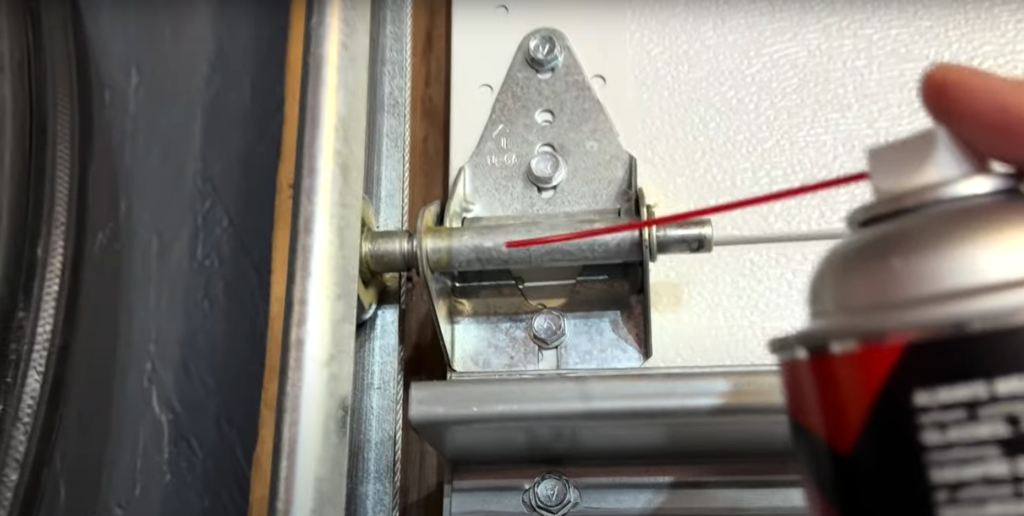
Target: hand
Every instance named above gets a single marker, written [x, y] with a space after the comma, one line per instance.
[985, 111]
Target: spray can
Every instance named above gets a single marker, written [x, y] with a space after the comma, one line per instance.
[906, 390]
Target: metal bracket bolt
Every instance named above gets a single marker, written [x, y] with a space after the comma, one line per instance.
[545, 54]
[547, 169]
[551, 495]
[548, 328]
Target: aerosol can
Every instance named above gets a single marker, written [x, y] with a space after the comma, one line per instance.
[906, 391]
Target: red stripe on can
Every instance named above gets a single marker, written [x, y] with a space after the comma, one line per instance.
[831, 395]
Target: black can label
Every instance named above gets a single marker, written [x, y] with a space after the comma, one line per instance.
[908, 428]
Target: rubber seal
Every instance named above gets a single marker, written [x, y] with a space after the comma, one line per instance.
[46, 180]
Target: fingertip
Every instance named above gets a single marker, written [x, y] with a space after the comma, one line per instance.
[941, 90]
[984, 110]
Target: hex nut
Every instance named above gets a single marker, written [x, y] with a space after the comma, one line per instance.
[551, 495]
[548, 328]
[544, 53]
[547, 169]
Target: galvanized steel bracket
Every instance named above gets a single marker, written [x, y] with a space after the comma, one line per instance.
[548, 150]
[555, 110]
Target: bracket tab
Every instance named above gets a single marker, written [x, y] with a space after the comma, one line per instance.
[534, 111]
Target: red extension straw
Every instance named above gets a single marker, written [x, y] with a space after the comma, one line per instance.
[687, 215]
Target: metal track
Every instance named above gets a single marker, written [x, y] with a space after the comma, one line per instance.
[643, 415]
[339, 444]
[314, 441]
[747, 487]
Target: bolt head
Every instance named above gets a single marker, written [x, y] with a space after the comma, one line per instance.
[548, 328]
[551, 495]
[547, 169]
[544, 52]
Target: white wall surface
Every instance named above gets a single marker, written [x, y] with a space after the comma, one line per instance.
[720, 99]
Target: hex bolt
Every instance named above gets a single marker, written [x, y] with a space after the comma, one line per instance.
[544, 52]
[547, 170]
[548, 329]
[551, 495]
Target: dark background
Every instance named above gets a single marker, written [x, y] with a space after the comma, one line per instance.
[167, 314]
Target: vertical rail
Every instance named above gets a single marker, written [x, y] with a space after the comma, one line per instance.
[314, 440]
[377, 405]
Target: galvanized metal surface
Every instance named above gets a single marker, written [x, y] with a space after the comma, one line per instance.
[479, 247]
[537, 112]
[484, 319]
[388, 251]
[685, 238]
[598, 338]
[649, 241]
[377, 407]
[745, 487]
[314, 439]
[387, 166]
[482, 247]
[642, 415]
[438, 286]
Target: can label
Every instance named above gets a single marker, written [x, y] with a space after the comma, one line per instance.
[904, 428]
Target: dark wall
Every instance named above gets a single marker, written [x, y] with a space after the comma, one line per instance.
[167, 319]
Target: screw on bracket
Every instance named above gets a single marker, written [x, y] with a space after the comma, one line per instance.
[548, 328]
[547, 169]
[551, 495]
[545, 53]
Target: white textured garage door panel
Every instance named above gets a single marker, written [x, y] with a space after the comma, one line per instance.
[718, 308]
[738, 97]
[725, 98]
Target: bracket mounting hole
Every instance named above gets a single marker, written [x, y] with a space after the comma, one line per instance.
[485, 90]
[545, 147]
[501, 9]
[545, 117]
[598, 82]
[546, 193]
[545, 75]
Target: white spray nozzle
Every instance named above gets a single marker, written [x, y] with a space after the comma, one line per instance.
[925, 159]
